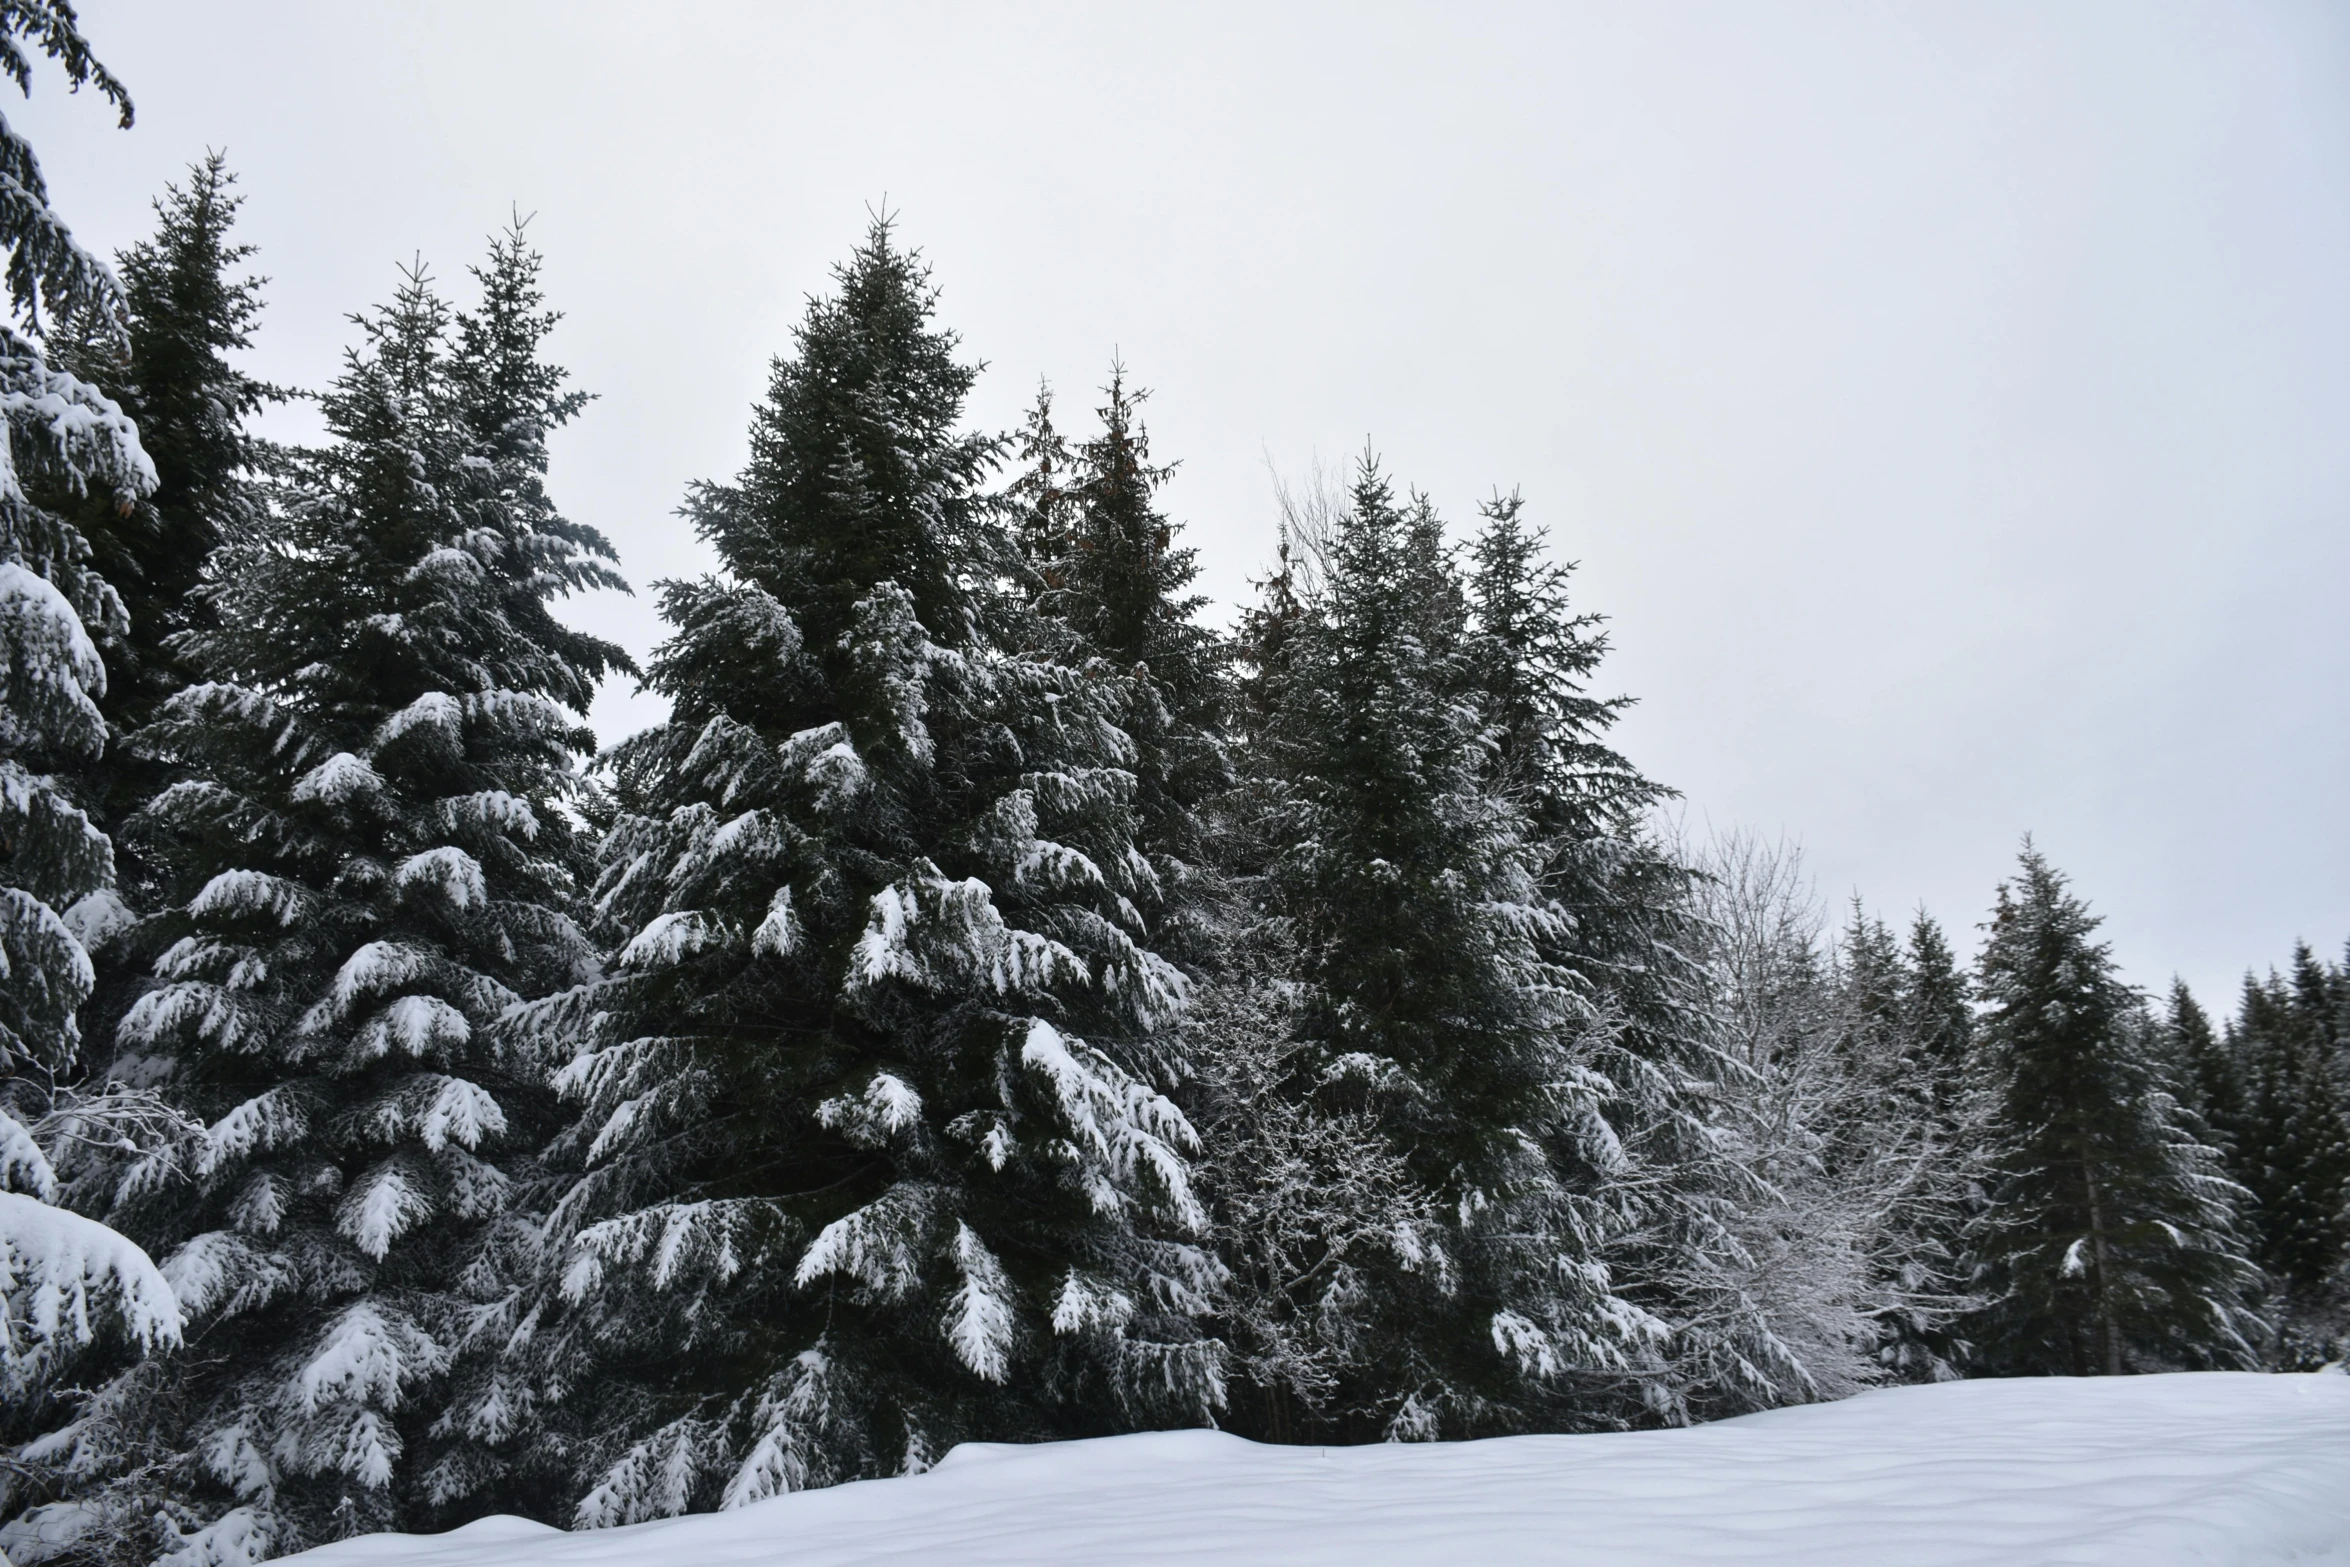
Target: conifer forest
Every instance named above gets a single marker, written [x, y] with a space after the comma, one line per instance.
[1007, 999]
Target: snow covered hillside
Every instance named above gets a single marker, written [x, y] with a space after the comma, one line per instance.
[2134, 1471]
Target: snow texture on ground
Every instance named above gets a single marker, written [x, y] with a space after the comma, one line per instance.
[2132, 1471]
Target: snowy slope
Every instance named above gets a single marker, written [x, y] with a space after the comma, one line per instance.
[2137, 1472]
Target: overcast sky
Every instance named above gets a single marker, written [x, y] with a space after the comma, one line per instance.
[1949, 404]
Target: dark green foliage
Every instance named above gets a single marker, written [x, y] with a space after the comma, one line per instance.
[187, 314]
[1532, 657]
[2291, 1133]
[1109, 574]
[868, 1159]
[1475, 986]
[66, 441]
[1627, 943]
[1934, 1007]
[1927, 1116]
[2111, 1243]
[1410, 889]
[46, 269]
[2204, 1066]
[372, 852]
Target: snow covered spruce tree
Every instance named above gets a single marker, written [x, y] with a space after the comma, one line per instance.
[2111, 1243]
[64, 1278]
[2291, 1145]
[372, 838]
[2204, 1066]
[1124, 587]
[169, 368]
[870, 1156]
[171, 372]
[1630, 940]
[66, 439]
[1425, 1011]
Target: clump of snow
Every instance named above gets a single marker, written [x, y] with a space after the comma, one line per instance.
[61, 1278]
[339, 779]
[2133, 1471]
[98, 918]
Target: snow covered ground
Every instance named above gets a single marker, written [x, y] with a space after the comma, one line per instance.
[2134, 1471]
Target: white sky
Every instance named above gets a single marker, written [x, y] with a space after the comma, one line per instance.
[1950, 404]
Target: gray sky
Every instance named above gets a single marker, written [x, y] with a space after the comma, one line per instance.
[1950, 404]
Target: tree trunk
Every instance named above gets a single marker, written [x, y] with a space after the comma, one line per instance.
[2103, 1283]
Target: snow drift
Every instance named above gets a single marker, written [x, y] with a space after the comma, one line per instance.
[2136, 1471]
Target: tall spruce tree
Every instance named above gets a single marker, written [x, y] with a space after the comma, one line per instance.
[1128, 595]
[1108, 575]
[1912, 1139]
[64, 1278]
[2205, 1068]
[2292, 1148]
[869, 1157]
[1041, 506]
[188, 312]
[1935, 1009]
[72, 452]
[374, 841]
[2112, 1243]
[1628, 942]
[1426, 1004]
[171, 370]
[66, 438]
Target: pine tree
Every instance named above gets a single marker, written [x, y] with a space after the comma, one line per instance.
[869, 1157]
[188, 313]
[1912, 1140]
[2111, 1244]
[1935, 1011]
[2292, 1148]
[1039, 499]
[171, 372]
[65, 1279]
[1630, 945]
[373, 840]
[1111, 580]
[1426, 1008]
[2205, 1068]
[1128, 595]
[1874, 983]
[65, 437]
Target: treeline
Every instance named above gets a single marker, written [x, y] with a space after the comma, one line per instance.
[992, 1006]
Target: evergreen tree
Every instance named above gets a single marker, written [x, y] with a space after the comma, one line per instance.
[1935, 1011]
[1110, 576]
[1427, 1007]
[2205, 1068]
[1951, 1150]
[65, 1279]
[1039, 499]
[1629, 943]
[1874, 984]
[171, 372]
[65, 438]
[1532, 660]
[1128, 594]
[374, 842]
[869, 1156]
[1910, 1138]
[188, 313]
[2292, 1148]
[2111, 1243]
